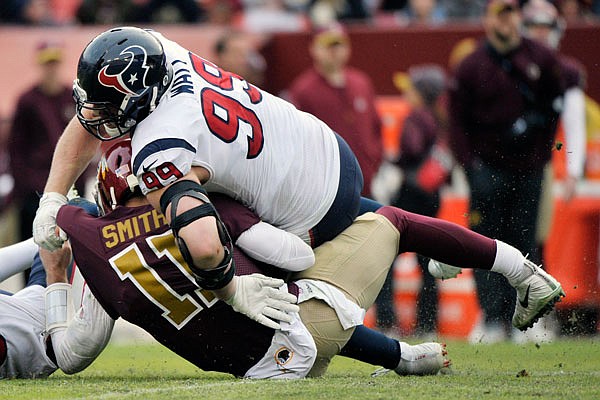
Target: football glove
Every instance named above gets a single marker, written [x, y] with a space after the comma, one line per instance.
[45, 232]
[259, 298]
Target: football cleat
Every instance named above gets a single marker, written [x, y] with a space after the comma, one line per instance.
[422, 359]
[536, 296]
[439, 270]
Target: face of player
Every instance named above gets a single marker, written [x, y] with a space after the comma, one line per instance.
[101, 115]
[503, 28]
[100, 120]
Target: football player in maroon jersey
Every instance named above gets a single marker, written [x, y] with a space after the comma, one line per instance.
[134, 268]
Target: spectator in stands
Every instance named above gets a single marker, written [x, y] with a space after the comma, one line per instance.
[343, 10]
[237, 53]
[504, 108]
[463, 9]
[341, 96]
[222, 12]
[426, 164]
[575, 11]
[27, 12]
[271, 16]
[422, 12]
[392, 5]
[41, 114]
[167, 11]
[109, 12]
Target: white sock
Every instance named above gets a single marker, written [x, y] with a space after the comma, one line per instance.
[405, 351]
[508, 262]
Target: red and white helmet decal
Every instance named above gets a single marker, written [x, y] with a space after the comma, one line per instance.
[130, 80]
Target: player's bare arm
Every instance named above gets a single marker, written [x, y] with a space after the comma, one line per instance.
[74, 151]
[206, 247]
[56, 263]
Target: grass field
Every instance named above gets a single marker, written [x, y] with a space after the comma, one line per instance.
[565, 369]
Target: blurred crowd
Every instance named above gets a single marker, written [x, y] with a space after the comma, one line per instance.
[263, 15]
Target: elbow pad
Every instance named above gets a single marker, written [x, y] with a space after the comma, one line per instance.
[221, 275]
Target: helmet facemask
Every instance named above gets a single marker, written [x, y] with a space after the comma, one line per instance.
[106, 121]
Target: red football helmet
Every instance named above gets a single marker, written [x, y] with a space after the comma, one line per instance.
[115, 182]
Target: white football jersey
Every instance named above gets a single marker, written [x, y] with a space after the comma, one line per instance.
[259, 149]
[22, 323]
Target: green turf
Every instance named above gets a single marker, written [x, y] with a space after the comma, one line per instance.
[565, 369]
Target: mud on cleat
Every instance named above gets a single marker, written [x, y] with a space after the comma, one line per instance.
[422, 359]
[536, 296]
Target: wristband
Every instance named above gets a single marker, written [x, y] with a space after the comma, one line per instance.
[58, 297]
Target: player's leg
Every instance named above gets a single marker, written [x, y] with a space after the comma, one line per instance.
[326, 330]
[455, 245]
[367, 345]
[374, 347]
[356, 262]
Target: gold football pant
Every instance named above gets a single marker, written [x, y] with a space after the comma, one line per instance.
[356, 262]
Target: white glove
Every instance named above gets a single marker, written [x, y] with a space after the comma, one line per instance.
[442, 271]
[45, 233]
[258, 297]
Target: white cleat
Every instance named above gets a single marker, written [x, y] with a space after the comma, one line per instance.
[439, 270]
[422, 359]
[536, 296]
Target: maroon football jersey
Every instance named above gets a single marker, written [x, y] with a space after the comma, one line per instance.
[134, 268]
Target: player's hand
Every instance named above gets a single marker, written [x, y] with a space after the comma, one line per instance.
[45, 233]
[258, 297]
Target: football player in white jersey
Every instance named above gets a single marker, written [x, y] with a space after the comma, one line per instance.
[26, 350]
[196, 124]
[22, 321]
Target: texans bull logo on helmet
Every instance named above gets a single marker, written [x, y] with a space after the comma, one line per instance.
[131, 79]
